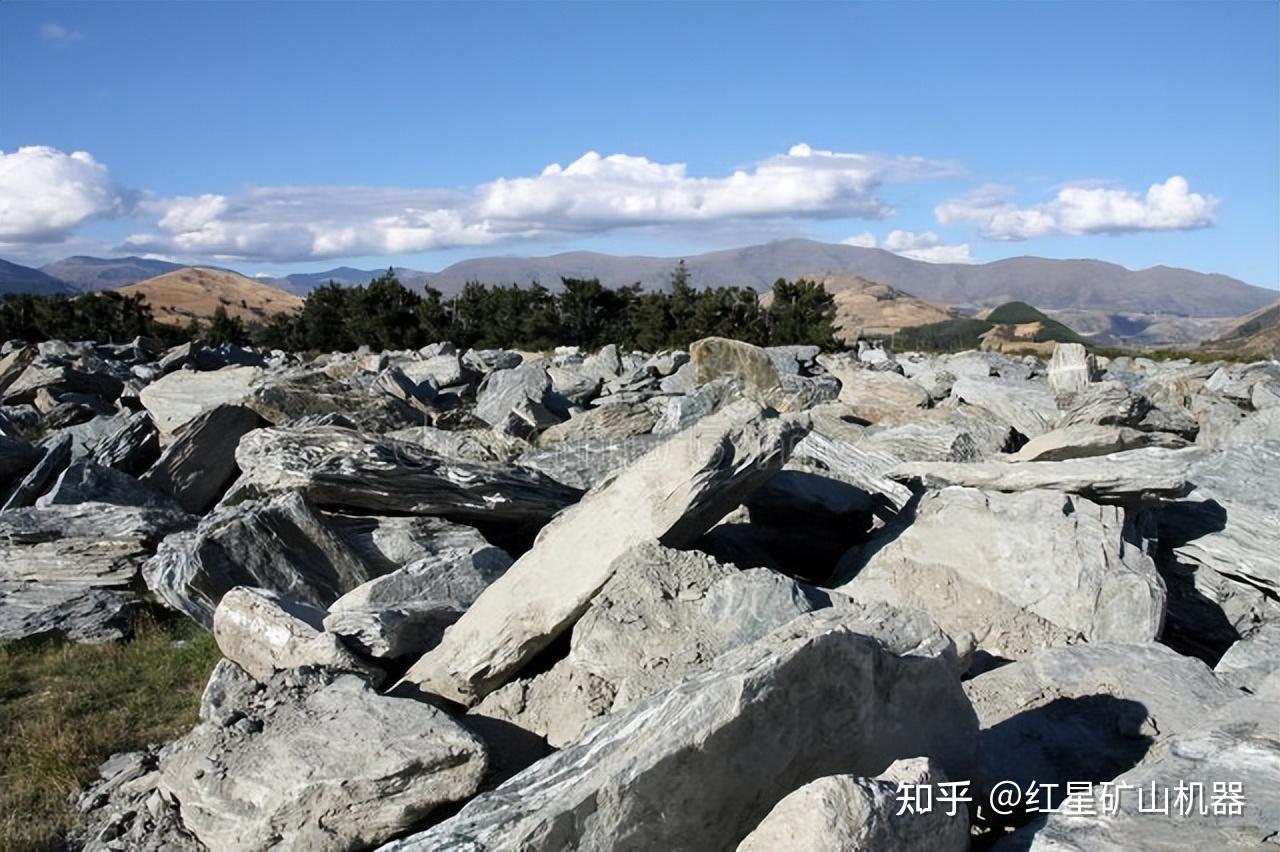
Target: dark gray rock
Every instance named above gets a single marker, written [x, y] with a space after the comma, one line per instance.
[200, 460]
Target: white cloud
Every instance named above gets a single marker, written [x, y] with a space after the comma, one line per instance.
[592, 194]
[917, 245]
[864, 240]
[45, 194]
[1083, 209]
[57, 35]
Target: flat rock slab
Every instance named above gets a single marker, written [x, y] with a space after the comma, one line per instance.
[1027, 407]
[726, 745]
[74, 613]
[343, 468]
[1120, 477]
[328, 766]
[182, 396]
[1020, 571]
[673, 495]
[199, 462]
[1086, 440]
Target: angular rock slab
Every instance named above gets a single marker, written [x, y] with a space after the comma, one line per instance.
[184, 395]
[673, 494]
[74, 613]
[1239, 745]
[810, 699]
[1229, 522]
[1027, 407]
[875, 395]
[281, 544]
[1127, 476]
[1086, 440]
[1252, 659]
[1021, 571]
[1088, 712]
[199, 462]
[343, 468]
[328, 766]
[719, 357]
[844, 813]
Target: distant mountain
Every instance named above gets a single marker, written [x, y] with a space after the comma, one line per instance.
[1011, 327]
[91, 274]
[1257, 334]
[197, 292]
[302, 283]
[1049, 284]
[15, 278]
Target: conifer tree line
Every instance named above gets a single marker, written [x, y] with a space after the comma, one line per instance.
[583, 312]
[384, 314]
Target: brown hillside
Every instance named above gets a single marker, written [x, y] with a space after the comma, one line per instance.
[863, 304]
[1255, 334]
[194, 292]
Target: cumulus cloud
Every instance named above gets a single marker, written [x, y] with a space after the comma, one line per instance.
[917, 245]
[592, 194]
[864, 240]
[1083, 209]
[57, 35]
[45, 194]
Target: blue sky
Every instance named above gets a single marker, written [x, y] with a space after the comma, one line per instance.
[292, 136]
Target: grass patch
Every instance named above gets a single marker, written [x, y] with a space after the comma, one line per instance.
[64, 708]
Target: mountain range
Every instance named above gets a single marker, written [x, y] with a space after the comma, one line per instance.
[1112, 293]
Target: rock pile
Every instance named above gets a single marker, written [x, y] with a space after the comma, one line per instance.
[731, 598]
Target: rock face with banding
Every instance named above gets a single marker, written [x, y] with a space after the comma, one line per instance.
[673, 494]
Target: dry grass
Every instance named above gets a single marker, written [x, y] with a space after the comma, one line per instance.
[64, 708]
[176, 297]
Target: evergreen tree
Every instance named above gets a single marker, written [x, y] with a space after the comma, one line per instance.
[802, 313]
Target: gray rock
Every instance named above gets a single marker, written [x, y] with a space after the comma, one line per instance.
[229, 691]
[84, 481]
[844, 813]
[280, 544]
[131, 447]
[1021, 571]
[960, 434]
[1071, 369]
[264, 632]
[854, 465]
[874, 395]
[519, 400]
[14, 364]
[319, 765]
[478, 445]
[1239, 745]
[1129, 476]
[718, 744]
[586, 463]
[1034, 712]
[17, 457]
[792, 360]
[1085, 440]
[200, 460]
[1108, 403]
[612, 422]
[679, 412]
[1252, 659]
[1228, 522]
[487, 360]
[184, 395]
[60, 380]
[346, 469]
[68, 611]
[673, 494]
[1027, 407]
[573, 385]
[57, 455]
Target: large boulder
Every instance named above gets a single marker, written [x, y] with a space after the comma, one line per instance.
[1219, 779]
[1124, 477]
[343, 468]
[1035, 712]
[1027, 407]
[84, 481]
[1021, 571]
[845, 813]
[1071, 369]
[749, 366]
[875, 395]
[811, 699]
[519, 400]
[280, 544]
[673, 494]
[58, 380]
[1085, 440]
[184, 395]
[131, 446]
[200, 462]
[41, 476]
[319, 762]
